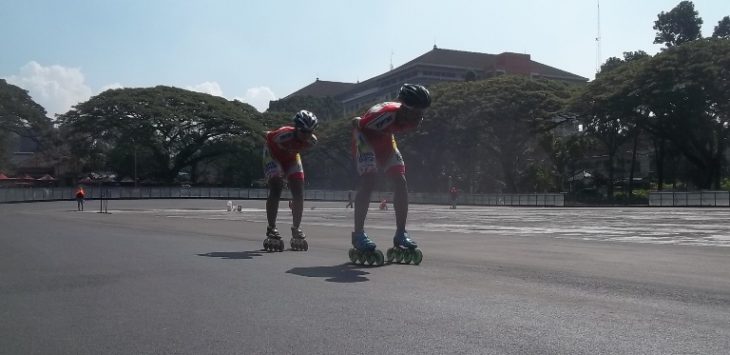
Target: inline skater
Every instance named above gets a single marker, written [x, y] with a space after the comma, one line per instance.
[282, 161]
[374, 148]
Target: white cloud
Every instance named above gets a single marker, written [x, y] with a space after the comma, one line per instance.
[258, 97]
[208, 87]
[54, 87]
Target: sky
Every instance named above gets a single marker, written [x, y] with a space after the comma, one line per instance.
[64, 52]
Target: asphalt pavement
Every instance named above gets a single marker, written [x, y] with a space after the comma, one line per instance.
[189, 277]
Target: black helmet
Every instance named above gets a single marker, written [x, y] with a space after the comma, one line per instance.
[305, 120]
[415, 96]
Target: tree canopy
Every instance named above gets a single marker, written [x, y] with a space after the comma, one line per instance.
[486, 132]
[169, 129]
[722, 30]
[680, 25]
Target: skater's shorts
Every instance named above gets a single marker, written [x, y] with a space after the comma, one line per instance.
[369, 157]
[289, 166]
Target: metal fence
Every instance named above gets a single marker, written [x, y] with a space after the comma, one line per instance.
[690, 199]
[27, 194]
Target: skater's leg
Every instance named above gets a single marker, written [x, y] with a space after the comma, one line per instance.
[400, 201]
[296, 186]
[272, 202]
[362, 200]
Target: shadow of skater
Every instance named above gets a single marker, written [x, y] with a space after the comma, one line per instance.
[336, 273]
[232, 254]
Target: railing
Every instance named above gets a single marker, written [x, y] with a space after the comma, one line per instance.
[27, 194]
[690, 199]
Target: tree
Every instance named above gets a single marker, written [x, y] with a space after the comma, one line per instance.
[488, 129]
[680, 25]
[722, 30]
[20, 116]
[606, 113]
[169, 129]
[686, 90]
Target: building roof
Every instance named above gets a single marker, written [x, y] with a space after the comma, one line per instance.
[322, 88]
[437, 57]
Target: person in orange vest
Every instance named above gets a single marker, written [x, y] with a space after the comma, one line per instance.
[80, 195]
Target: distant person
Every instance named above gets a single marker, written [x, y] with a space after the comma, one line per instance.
[384, 205]
[80, 196]
[374, 149]
[454, 192]
[282, 161]
[349, 200]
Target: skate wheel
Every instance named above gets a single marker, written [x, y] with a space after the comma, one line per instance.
[379, 259]
[390, 253]
[370, 259]
[417, 256]
[352, 254]
[398, 255]
[407, 256]
[305, 246]
[281, 245]
[361, 258]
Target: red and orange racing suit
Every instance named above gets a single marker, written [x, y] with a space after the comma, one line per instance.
[373, 141]
[281, 154]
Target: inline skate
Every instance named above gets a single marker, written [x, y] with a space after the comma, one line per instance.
[273, 240]
[404, 250]
[365, 251]
[297, 241]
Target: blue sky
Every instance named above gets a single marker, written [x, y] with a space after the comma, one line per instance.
[64, 52]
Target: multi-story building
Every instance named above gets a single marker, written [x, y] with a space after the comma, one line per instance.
[434, 66]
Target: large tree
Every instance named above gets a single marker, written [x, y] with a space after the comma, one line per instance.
[686, 91]
[165, 129]
[487, 131]
[20, 116]
[680, 25]
[722, 30]
[609, 118]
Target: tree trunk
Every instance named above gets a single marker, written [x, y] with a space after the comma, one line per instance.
[633, 164]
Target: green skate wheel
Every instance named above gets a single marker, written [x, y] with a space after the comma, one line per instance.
[407, 256]
[361, 258]
[390, 254]
[352, 254]
[417, 256]
[370, 259]
[281, 245]
[379, 259]
[398, 255]
[305, 247]
[266, 244]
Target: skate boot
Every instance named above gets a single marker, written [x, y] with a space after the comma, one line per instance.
[404, 250]
[297, 241]
[273, 240]
[364, 250]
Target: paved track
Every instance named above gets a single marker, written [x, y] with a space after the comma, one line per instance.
[186, 277]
